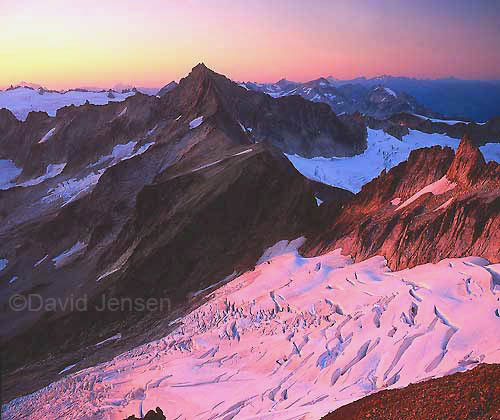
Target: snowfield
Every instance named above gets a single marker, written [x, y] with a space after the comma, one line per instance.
[294, 339]
[69, 254]
[439, 187]
[491, 152]
[383, 152]
[21, 101]
[74, 188]
[196, 122]
[8, 172]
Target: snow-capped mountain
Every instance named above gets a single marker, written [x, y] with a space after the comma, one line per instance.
[474, 100]
[23, 100]
[287, 297]
[377, 101]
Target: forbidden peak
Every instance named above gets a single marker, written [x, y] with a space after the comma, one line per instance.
[468, 163]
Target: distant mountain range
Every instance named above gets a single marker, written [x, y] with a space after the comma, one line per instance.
[376, 101]
[380, 96]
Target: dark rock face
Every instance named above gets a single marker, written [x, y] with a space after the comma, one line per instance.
[8, 121]
[78, 135]
[167, 88]
[458, 219]
[474, 394]
[150, 415]
[292, 124]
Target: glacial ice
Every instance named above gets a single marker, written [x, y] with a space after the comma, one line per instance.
[273, 343]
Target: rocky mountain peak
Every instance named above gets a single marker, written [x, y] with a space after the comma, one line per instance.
[468, 164]
[167, 88]
[200, 69]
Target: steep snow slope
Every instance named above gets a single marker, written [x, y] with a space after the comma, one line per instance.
[294, 339]
[383, 152]
[21, 101]
[8, 172]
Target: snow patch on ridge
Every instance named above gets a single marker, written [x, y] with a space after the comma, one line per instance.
[67, 368]
[71, 189]
[69, 255]
[449, 122]
[390, 92]
[47, 136]
[196, 123]
[52, 171]
[22, 101]
[439, 187]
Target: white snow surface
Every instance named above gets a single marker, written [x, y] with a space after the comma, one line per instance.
[294, 339]
[47, 136]
[74, 188]
[196, 123]
[110, 339]
[22, 101]
[445, 204]
[8, 172]
[390, 92]
[491, 152]
[67, 368]
[439, 187]
[67, 256]
[40, 261]
[450, 122]
[383, 152]
[52, 171]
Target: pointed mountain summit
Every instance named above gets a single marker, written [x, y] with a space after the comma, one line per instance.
[293, 124]
[468, 165]
[412, 213]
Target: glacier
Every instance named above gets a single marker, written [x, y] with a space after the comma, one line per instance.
[383, 152]
[294, 339]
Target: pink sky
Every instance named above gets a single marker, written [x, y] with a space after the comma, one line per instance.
[61, 44]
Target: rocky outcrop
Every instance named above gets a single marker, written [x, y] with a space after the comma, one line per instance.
[474, 394]
[150, 415]
[8, 122]
[431, 207]
[398, 125]
[469, 166]
[167, 88]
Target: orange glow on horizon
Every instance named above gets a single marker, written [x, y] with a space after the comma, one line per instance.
[101, 43]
